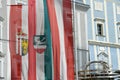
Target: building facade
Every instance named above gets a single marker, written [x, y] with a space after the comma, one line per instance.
[103, 20]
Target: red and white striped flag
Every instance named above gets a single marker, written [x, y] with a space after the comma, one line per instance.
[41, 41]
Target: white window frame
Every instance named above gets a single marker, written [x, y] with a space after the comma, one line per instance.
[102, 23]
[98, 5]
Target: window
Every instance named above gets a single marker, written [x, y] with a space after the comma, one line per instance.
[100, 29]
[98, 6]
[118, 9]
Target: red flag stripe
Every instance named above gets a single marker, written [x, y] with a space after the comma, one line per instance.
[31, 32]
[55, 39]
[15, 22]
[68, 36]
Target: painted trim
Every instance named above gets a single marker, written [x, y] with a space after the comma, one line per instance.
[118, 56]
[95, 54]
[114, 12]
[110, 63]
[86, 30]
[106, 21]
[92, 17]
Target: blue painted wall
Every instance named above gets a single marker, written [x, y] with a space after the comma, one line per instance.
[111, 27]
[114, 59]
[92, 56]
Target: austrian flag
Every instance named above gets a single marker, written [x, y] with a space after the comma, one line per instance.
[41, 40]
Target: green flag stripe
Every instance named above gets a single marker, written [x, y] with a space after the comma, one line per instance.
[48, 52]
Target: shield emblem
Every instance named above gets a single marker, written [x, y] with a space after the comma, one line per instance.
[21, 43]
[24, 47]
[39, 43]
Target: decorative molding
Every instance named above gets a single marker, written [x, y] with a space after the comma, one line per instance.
[100, 35]
[99, 19]
[102, 43]
[81, 6]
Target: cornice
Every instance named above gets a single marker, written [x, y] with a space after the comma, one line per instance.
[102, 43]
[81, 6]
[99, 19]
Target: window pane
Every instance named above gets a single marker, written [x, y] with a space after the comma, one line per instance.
[99, 29]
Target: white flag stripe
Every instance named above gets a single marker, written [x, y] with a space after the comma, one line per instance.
[59, 14]
[40, 31]
[25, 30]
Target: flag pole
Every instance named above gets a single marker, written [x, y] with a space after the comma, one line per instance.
[75, 40]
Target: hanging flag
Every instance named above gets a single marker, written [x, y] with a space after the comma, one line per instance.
[41, 41]
[68, 37]
[60, 14]
[15, 22]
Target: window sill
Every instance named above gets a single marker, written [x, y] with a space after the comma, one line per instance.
[101, 35]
